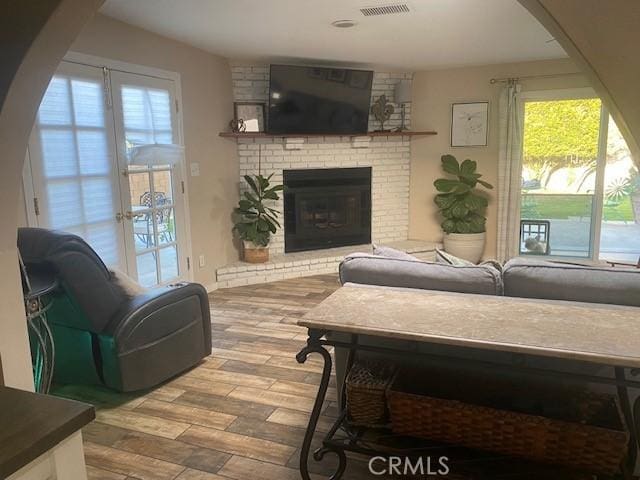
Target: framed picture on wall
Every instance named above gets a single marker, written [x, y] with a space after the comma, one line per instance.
[252, 113]
[470, 124]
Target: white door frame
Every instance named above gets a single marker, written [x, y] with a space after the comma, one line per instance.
[100, 62]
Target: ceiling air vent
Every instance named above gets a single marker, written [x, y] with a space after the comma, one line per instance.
[385, 9]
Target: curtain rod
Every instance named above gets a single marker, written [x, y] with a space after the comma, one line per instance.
[529, 77]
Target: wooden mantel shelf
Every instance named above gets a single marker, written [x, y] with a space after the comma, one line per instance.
[405, 133]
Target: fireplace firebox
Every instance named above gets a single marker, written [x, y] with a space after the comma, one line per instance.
[326, 208]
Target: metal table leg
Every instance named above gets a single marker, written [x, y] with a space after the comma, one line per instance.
[314, 345]
[629, 418]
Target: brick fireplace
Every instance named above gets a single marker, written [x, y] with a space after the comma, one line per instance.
[387, 160]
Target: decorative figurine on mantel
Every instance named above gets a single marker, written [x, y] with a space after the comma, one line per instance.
[237, 125]
[382, 111]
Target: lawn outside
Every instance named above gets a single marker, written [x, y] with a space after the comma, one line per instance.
[543, 206]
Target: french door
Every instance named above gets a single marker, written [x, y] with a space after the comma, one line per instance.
[88, 181]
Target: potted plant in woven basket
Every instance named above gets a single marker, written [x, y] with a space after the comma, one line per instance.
[256, 220]
[462, 209]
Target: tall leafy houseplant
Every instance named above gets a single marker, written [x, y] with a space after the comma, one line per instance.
[256, 221]
[462, 208]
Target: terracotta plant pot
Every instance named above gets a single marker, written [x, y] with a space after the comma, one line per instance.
[253, 253]
[469, 246]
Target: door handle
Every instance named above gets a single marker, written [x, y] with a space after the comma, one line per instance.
[128, 215]
[119, 217]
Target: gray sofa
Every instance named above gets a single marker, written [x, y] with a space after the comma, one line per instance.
[518, 278]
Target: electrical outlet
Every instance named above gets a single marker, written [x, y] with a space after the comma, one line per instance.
[201, 261]
[195, 169]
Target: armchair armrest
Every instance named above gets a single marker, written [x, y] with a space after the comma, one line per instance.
[160, 312]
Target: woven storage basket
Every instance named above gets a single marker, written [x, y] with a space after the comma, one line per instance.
[594, 439]
[367, 384]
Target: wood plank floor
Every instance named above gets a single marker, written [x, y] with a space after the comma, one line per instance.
[239, 415]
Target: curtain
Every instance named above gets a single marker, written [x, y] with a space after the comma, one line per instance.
[509, 171]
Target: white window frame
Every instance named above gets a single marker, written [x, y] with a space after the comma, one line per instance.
[598, 205]
[116, 65]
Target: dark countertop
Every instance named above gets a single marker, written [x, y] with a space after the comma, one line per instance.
[31, 424]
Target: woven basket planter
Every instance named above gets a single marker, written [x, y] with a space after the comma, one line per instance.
[367, 384]
[594, 440]
[255, 254]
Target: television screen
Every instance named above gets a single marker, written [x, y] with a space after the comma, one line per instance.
[318, 100]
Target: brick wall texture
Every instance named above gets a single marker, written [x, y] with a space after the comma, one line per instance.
[389, 157]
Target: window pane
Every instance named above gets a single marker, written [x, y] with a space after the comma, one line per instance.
[162, 187]
[560, 153]
[97, 199]
[59, 153]
[55, 108]
[94, 153]
[147, 272]
[168, 263]
[620, 231]
[165, 225]
[64, 200]
[103, 239]
[88, 99]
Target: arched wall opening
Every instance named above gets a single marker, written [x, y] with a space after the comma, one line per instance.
[37, 34]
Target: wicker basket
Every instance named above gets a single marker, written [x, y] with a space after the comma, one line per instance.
[592, 438]
[367, 384]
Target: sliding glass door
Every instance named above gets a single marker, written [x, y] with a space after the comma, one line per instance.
[578, 180]
[620, 231]
[93, 177]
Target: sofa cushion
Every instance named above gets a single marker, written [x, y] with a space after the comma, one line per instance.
[562, 281]
[393, 272]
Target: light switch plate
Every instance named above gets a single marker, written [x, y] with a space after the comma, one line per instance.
[195, 169]
[201, 261]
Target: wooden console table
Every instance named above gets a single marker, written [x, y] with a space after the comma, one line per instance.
[603, 335]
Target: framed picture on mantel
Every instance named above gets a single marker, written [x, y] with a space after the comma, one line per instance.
[470, 124]
[252, 113]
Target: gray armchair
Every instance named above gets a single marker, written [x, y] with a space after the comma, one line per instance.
[112, 332]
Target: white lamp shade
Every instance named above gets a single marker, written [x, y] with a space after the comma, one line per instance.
[156, 154]
[402, 92]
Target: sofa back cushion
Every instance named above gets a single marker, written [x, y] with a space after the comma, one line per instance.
[578, 283]
[393, 272]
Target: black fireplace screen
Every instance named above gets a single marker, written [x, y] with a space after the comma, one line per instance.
[325, 208]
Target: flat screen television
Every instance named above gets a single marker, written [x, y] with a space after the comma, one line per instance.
[318, 100]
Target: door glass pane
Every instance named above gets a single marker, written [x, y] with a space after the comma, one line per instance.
[162, 187]
[59, 153]
[140, 192]
[63, 200]
[560, 153]
[165, 226]
[168, 263]
[147, 271]
[620, 231]
[147, 115]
